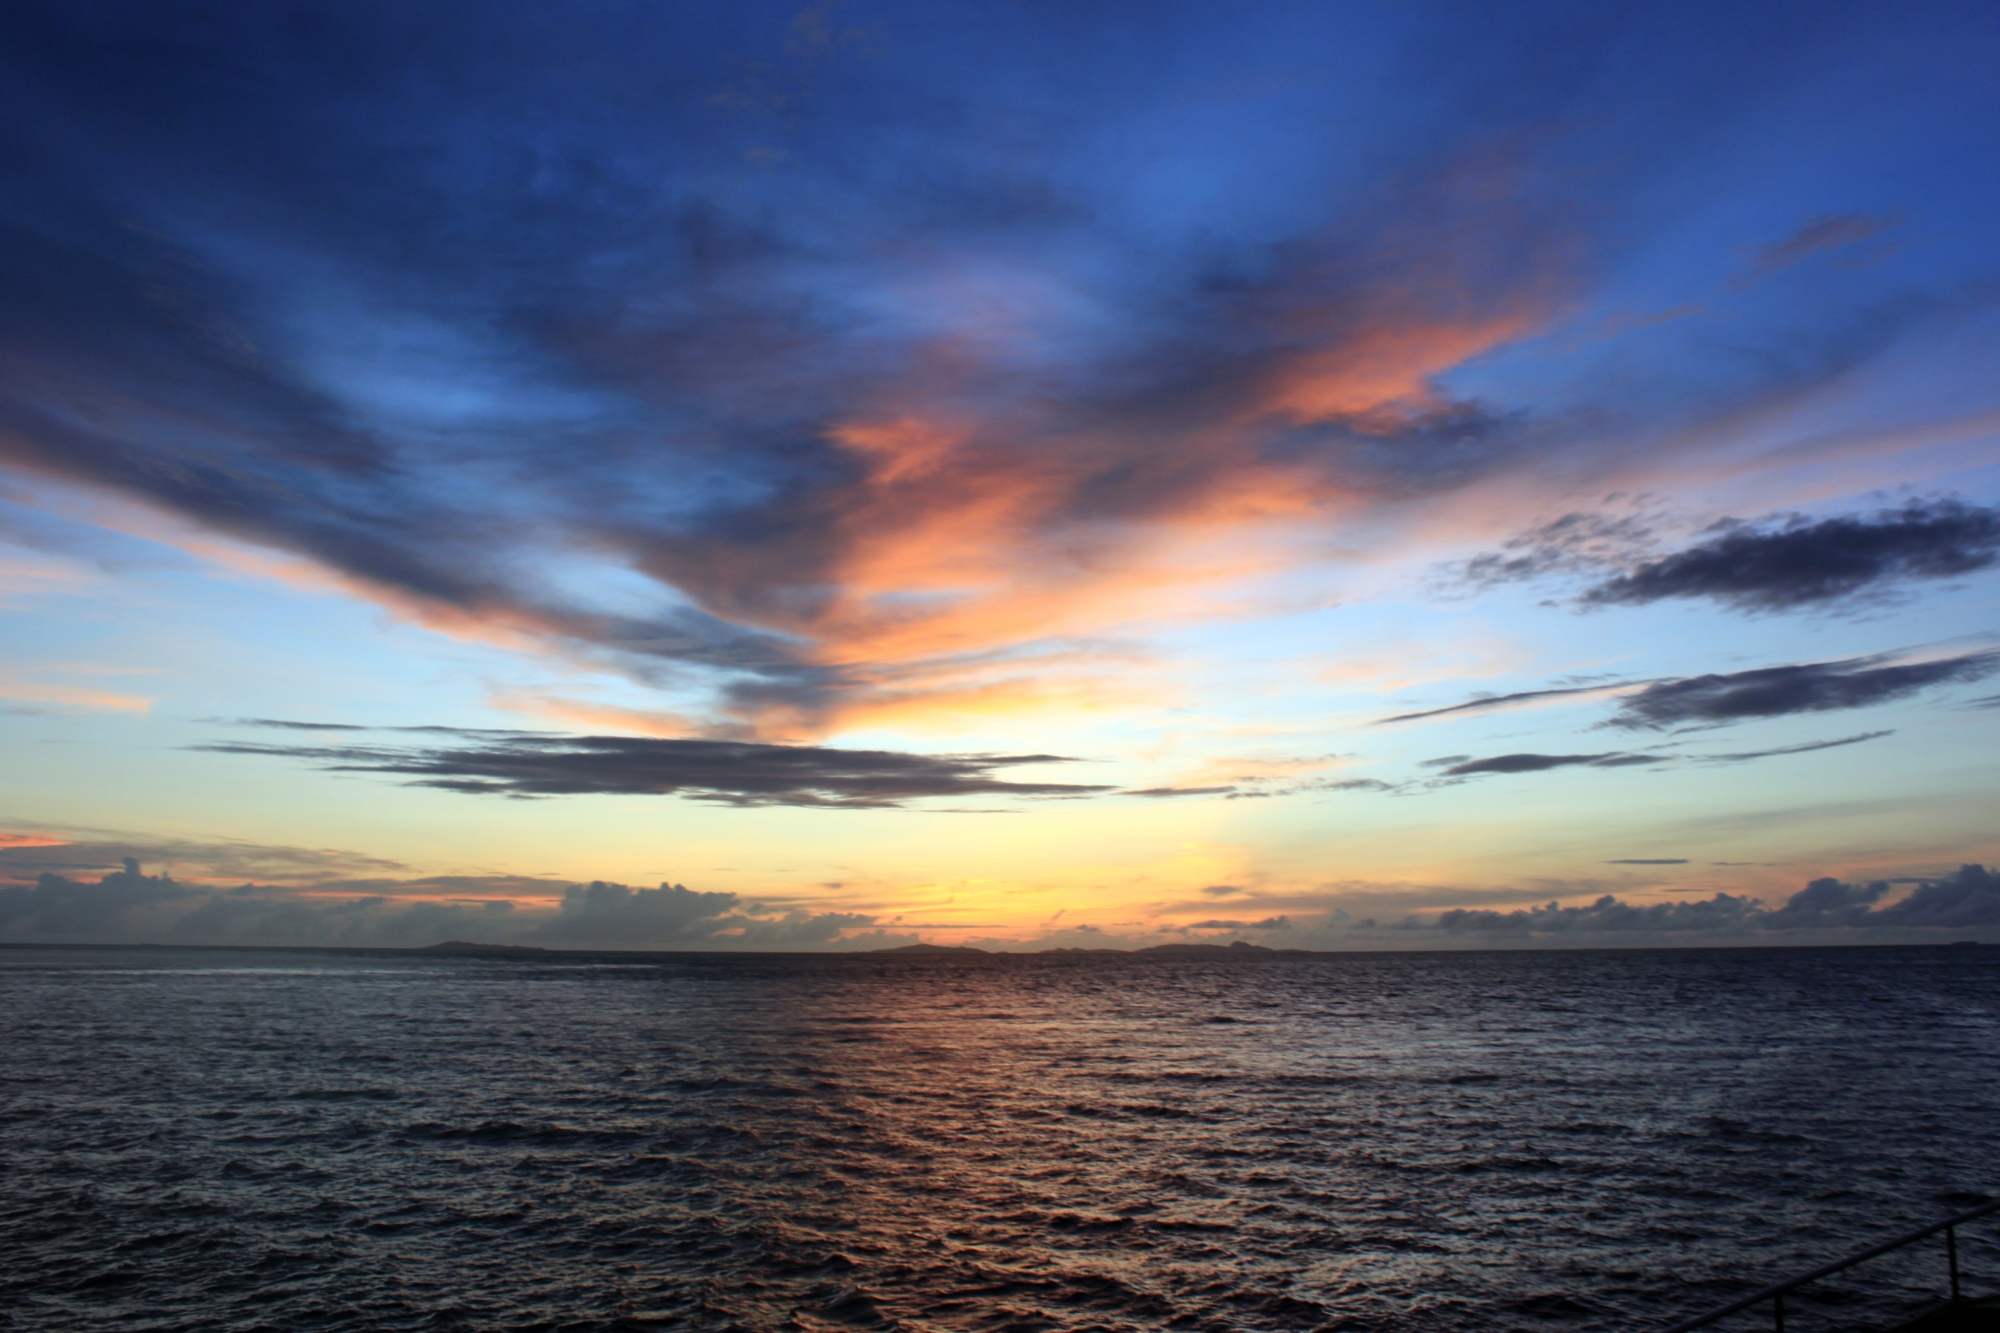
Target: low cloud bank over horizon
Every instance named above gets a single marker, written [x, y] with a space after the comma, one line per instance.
[129, 906]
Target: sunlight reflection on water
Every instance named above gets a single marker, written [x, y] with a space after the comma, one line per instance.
[1411, 1141]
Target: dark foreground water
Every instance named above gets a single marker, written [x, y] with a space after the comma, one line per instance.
[249, 1140]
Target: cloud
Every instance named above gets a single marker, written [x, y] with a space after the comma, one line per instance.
[1825, 233]
[55, 906]
[1807, 748]
[1576, 543]
[1720, 699]
[1180, 791]
[847, 397]
[1539, 763]
[725, 772]
[596, 912]
[1969, 898]
[1811, 563]
[70, 851]
[128, 905]
[1487, 703]
[839, 457]
[1268, 923]
[1781, 691]
[1608, 915]
[1783, 562]
[1535, 763]
[1311, 785]
[280, 724]
[1828, 902]
[1649, 861]
[42, 697]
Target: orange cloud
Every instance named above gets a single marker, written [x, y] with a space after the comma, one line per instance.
[976, 505]
[1381, 381]
[595, 716]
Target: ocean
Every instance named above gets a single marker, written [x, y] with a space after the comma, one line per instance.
[272, 1140]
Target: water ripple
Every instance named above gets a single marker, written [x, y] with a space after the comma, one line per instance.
[287, 1141]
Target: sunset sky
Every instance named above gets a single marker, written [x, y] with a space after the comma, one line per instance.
[1327, 475]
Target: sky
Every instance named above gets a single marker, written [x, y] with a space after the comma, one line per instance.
[1378, 475]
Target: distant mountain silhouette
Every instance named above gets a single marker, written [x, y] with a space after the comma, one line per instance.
[465, 949]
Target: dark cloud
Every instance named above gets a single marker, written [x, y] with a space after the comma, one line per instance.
[1180, 791]
[1780, 691]
[599, 911]
[441, 300]
[73, 851]
[450, 301]
[1538, 763]
[130, 906]
[1649, 861]
[59, 907]
[280, 724]
[1827, 902]
[1533, 763]
[1808, 563]
[1721, 699]
[726, 772]
[241, 287]
[1268, 923]
[1966, 899]
[1808, 748]
[1608, 914]
[1222, 890]
[1486, 703]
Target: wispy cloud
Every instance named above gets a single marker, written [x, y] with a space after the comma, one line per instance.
[1820, 234]
[1542, 763]
[38, 696]
[1738, 696]
[1489, 703]
[1781, 691]
[70, 851]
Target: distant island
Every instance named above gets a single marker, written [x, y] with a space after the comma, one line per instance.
[1239, 949]
[1236, 950]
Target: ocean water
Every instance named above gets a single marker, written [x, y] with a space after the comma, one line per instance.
[1599, 1140]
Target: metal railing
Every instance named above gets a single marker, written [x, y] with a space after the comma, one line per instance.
[1776, 1293]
